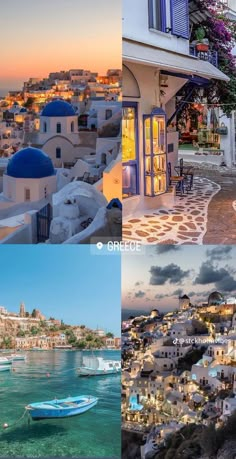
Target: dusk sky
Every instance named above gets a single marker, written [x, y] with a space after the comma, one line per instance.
[157, 277]
[38, 37]
[68, 283]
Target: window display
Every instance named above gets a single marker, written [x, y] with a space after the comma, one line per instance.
[155, 152]
[129, 150]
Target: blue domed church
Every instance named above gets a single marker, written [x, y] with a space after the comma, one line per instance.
[30, 176]
[58, 135]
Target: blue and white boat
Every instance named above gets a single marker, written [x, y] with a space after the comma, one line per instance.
[97, 366]
[66, 407]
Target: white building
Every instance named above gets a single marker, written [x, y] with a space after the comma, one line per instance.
[30, 176]
[157, 63]
[58, 134]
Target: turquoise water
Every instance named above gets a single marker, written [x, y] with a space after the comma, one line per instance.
[94, 433]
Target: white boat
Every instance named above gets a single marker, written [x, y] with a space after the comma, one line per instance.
[5, 361]
[15, 357]
[5, 368]
[97, 366]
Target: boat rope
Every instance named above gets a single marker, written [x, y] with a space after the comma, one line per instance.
[7, 426]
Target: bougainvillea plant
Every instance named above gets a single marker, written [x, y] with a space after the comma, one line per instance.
[221, 33]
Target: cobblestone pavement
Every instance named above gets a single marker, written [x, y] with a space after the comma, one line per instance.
[221, 224]
[184, 223]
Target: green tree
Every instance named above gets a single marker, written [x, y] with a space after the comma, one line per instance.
[89, 337]
[34, 331]
[20, 334]
[7, 343]
[110, 335]
[34, 313]
[81, 344]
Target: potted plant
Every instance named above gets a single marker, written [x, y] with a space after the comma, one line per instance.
[202, 43]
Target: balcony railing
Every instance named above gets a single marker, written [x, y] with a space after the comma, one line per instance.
[209, 56]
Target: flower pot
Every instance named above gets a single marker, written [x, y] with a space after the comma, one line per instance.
[202, 47]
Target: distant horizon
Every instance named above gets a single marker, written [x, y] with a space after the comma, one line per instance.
[73, 34]
[163, 273]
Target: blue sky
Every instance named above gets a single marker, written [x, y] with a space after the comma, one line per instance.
[66, 282]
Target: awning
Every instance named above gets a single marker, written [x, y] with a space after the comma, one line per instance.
[149, 55]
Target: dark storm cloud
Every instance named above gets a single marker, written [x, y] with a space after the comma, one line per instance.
[160, 296]
[139, 294]
[178, 292]
[219, 253]
[170, 273]
[221, 277]
[162, 248]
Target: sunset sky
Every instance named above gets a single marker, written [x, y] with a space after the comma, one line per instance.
[157, 277]
[38, 37]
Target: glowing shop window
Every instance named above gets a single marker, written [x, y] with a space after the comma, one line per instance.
[128, 134]
[155, 152]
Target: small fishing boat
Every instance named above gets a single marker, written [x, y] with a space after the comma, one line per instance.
[5, 361]
[5, 368]
[66, 407]
[15, 357]
[97, 366]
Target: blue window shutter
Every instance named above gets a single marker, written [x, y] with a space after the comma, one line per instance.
[163, 15]
[179, 18]
[150, 14]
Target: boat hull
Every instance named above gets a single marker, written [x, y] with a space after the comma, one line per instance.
[5, 368]
[39, 413]
[17, 358]
[84, 371]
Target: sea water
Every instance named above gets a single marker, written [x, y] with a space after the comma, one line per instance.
[52, 374]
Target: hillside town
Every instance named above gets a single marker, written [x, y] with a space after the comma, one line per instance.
[33, 331]
[60, 168]
[179, 369]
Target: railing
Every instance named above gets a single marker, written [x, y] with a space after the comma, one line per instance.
[209, 56]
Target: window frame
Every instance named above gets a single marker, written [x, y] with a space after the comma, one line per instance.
[58, 149]
[151, 15]
[58, 128]
[135, 163]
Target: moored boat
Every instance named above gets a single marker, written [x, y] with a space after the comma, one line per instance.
[5, 368]
[5, 361]
[66, 407]
[15, 357]
[97, 366]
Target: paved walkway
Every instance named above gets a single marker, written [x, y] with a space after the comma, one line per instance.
[207, 216]
[185, 223]
[221, 225]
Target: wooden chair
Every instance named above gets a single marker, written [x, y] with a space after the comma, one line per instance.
[188, 176]
[176, 180]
